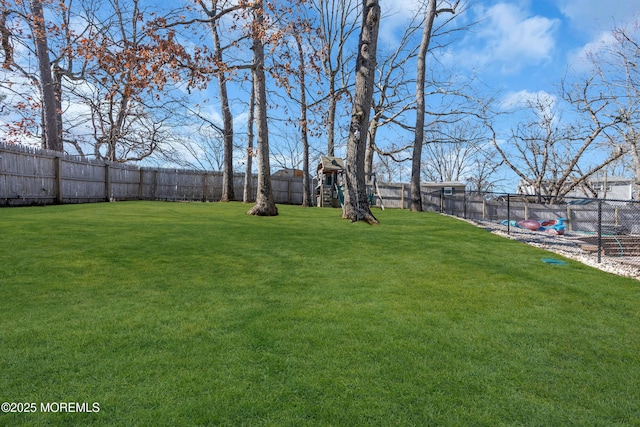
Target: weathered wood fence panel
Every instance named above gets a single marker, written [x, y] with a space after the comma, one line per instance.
[124, 183]
[287, 190]
[393, 195]
[36, 177]
[81, 181]
[27, 175]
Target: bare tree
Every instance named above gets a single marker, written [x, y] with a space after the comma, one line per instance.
[133, 62]
[551, 154]
[47, 102]
[201, 150]
[482, 177]
[304, 122]
[50, 106]
[356, 202]
[456, 151]
[339, 20]
[617, 72]
[393, 96]
[295, 69]
[431, 12]
[248, 169]
[215, 12]
[114, 71]
[265, 202]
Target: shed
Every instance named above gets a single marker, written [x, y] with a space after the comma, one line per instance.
[446, 188]
[289, 173]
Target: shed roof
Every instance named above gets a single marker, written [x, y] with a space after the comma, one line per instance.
[331, 164]
[442, 184]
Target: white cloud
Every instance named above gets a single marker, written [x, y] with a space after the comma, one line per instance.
[523, 98]
[601, 43]
[595, 16]
[580, 59]
[400, 10]
[395, 18]
[510, 39]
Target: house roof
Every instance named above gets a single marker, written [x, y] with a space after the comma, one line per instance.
[611, 180]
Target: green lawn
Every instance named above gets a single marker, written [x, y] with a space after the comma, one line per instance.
[197, 314]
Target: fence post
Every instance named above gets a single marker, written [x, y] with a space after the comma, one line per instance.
[58, 172]
[508, 214]
[155, 185]
[599, 231]
[140, 184]
[402, 197]
[204, 187]
[107, 182]
[464, 205]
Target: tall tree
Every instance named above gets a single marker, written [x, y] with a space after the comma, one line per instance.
[51, 114]
[460, 152]
[133, 60]
[265, 202]
[431, 12]
[553, 155]
[616, 70]
[338, 23]
[304, 122]
[296, 48]
[42, 111]
[248, 170]
[356, 202]
[215, 13]
[394, 96]
[111, 67]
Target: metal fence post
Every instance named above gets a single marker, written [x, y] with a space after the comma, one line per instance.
[599, 231]
[464, 204]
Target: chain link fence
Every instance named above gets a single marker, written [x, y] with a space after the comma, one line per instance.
[598, 227]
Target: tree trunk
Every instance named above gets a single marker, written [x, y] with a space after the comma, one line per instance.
[636, 168]
[416, 161]
[227, 123]
[331, 119]
[356, 202]
[265, 203]
[304, 134]
[371, 147]
[50, 112]
[57, 93]
[248, 174]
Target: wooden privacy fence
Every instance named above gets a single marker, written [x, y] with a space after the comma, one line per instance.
[38, 177]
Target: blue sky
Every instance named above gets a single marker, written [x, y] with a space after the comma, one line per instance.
[527, 45]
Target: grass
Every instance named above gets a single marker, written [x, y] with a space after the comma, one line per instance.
[197, 314]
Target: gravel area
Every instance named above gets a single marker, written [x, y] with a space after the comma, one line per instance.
[567, 245]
